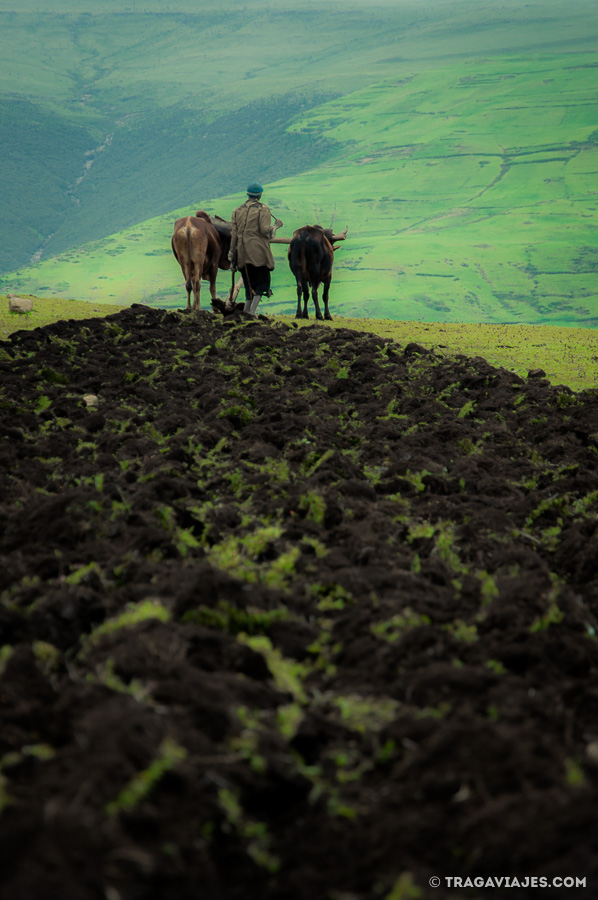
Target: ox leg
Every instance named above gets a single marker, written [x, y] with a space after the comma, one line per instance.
[196, 294]
[325, 298]
[305, 300]
[314, 295]
[189, 288]
[298, 314]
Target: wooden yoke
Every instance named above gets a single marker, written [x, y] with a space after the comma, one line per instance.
[335, 237]
[219, 222]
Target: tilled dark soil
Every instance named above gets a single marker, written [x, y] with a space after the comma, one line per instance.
[292, 612]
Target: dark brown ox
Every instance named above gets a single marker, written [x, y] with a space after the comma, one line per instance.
[311, 255]
[200, 246]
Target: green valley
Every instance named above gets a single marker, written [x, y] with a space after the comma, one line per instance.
[457, 141]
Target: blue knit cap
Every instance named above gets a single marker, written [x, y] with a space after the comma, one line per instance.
[254, 189]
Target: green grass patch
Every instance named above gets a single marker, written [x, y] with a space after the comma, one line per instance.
[47, 310]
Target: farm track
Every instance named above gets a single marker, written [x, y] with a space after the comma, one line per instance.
[291, 613]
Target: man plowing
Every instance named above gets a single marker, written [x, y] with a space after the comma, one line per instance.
[250, 252]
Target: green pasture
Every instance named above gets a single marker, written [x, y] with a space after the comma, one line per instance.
[470, 194]
[46, 311]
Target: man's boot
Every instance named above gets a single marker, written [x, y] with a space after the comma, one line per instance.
[255, 302]
[247, 307]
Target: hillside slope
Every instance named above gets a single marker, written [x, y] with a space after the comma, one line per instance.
[469, 192]
[116, 114]
[113, 114]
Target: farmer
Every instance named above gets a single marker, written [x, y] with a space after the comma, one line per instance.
[250, 251]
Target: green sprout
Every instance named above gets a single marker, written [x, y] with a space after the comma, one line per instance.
[226, 617]
[288, 719]
[495, 666]
[574, 774]
[288, 674]
[552, 616]
[47, 657]
[255, 833]
[6, 652]
[134, 614]
[314, 506]
[83, 572]
[461, 631]
[404, 888]
[106, 676]
[363, 714]
[140, 786]
[392, 629]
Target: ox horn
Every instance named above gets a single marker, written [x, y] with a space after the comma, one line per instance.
[342, 236]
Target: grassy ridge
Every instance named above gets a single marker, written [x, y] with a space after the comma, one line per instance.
[568, 355]
[128, 133]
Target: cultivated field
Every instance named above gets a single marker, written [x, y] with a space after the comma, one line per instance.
[290, 612]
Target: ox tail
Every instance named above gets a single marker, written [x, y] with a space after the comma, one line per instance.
[312, 264]
[189, 261]
[302, 261]
[305, 267]
[314, 270]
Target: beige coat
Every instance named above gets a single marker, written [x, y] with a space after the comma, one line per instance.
[251, 233]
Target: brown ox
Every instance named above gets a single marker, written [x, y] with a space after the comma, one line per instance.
[311, 255]
[201, 247]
